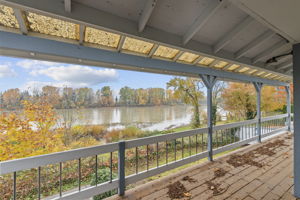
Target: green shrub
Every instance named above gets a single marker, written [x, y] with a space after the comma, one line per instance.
[104, 176]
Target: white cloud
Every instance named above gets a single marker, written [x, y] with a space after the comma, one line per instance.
[6, 71]
[68, 75]
[78, 75]
[35, 64]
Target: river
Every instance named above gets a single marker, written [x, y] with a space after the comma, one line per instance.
[147, 118]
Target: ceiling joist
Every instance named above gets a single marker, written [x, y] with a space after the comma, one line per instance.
[269, 51]
[149, 7]
[21, 20]
[233, 33]
[81, 33]
[284, 65]
[256, 42]
[211, 8]
[68, 5]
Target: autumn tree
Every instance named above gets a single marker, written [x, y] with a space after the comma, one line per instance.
[30, 132]
[127, 96]
[240, 100]
[141, 96]
[51, 95]
[272, 99]
[189, 90]
[156, 96]
[11, 98]
[106, 96]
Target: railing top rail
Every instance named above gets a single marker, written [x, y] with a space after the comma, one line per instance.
[274, 117]
[161, 138]
[53, 158]
[233, 125]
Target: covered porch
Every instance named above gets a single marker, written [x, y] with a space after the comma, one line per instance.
[229, 40]
[267, 175]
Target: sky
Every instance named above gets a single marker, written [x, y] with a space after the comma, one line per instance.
[27, 74]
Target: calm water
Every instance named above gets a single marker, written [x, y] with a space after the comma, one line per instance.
[147, 118]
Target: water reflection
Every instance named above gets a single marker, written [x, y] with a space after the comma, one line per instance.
[147, 118]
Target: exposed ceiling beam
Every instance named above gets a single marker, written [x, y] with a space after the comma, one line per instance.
[238, 69]
[81, 33]
[269, 51]
[120, 44]
[21, 20]
[210, 9]
[284, 65]
[213, 63]
[231, 34]
[258, 72]
[152, 51]
[254, 43]
[22, 46]
[68, 5]
[88, 16]
[247, 70]
[261, 19]
[227, 66]
[178, 55]
[149, 7]
[197, 60]
[289, 71]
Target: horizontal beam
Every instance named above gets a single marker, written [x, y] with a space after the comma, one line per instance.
[209, 11]
[149, 7]
[25, 46]
[88, 16]
[228, 37]
[254, 43]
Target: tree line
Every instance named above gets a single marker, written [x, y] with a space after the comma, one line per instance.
[66, 98]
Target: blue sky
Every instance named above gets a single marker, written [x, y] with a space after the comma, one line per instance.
[32, 74]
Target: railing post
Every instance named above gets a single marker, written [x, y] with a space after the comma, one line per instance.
[258, 87]
[209, 81]
[288, 106]
[121, 168]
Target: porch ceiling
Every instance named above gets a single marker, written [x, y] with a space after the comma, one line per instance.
[205, 34]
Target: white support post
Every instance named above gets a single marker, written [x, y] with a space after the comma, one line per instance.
[288, 106]
[209, 81]
[258, 87]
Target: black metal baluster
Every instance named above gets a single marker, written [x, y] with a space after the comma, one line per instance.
[136, 160]
[60, 179]
[111, 166]
[166, 152]
[190, 148]
[157, 161]
[79, 174]
[202, 143]
[15, 186]
[39, 183]
[175, 150]
[147, 152]
[96, 169]
[196, 143]
[182, 148]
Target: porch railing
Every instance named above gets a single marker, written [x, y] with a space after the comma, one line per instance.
[139, 158]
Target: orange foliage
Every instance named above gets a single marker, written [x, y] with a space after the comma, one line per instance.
[30, 132]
